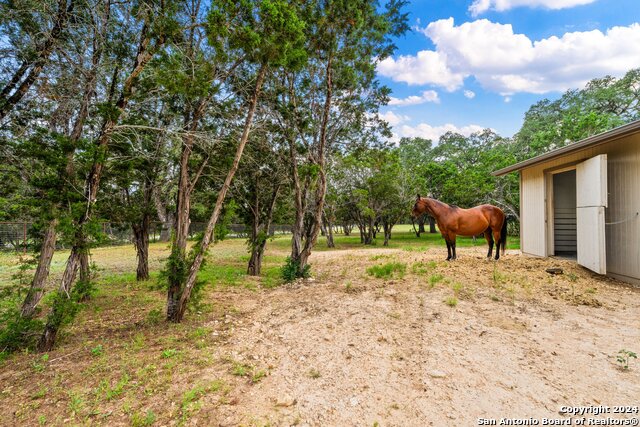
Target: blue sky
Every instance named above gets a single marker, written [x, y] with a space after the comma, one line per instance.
[473, 64]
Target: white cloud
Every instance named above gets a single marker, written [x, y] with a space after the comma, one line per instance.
[507, 63]
[426, 96]
[425, 130]
[469, 94]
[392, 118]
[481, 6]
[426, 67]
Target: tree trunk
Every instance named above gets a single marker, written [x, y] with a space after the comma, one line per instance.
[92, 183]
[166, 227]
[55, 318]
[387, 233]
[42, 271]
[369, 233]
[321, 188]
[257, 247]
[141, 242]
[330, 243]
[85, 273]
[432, 224]
[255, 262]
[421, 220]
[176, 313]
[177, 260]
[48, 247]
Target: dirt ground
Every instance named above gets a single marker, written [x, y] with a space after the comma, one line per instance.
[442, 344]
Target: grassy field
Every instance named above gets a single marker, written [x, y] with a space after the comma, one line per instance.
[227, 262]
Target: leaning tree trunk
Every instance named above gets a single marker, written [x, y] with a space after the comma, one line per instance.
[48, 246]
[175, 312]
[42, 271]
[92, 183]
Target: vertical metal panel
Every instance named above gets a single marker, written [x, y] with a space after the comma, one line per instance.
[591, 239]
[532, 221]
[591, 199]
[591, 179]
[623, 229]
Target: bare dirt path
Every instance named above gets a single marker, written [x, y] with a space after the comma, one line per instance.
[348, 349]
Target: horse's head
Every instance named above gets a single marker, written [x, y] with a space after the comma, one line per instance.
[419, 207]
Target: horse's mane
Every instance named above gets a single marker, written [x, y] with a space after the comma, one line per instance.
[443, 204]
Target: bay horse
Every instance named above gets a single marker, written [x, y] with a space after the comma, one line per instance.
[452, 221]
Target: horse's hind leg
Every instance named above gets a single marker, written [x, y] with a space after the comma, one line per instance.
[496, 237]
[489, 237]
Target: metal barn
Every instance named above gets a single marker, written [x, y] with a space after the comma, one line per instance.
[583, 201]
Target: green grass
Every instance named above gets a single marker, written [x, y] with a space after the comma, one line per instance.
[227, 261]
[388, 270]
[451, 301]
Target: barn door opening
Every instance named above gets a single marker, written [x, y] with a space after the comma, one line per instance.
[591, 199]
[564, 214]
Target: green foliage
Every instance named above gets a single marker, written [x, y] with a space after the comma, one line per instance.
[435, 278]
[388, 270]
[258, 375]
[451, 301]
[155, 317]
[17, 332]
[226, 219]
[291, 270]
[140, 420]
[169, 353]
[97, 350]
[40, 363]
[108, 391]
[623, 358]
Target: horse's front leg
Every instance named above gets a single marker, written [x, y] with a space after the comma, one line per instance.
[448, 249]
[453, 247]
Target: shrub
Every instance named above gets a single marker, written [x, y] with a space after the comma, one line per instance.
[291, 270]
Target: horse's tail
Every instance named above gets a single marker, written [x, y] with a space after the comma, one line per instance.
[503, 235]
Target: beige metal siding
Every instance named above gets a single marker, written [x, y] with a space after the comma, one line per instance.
[622, 240]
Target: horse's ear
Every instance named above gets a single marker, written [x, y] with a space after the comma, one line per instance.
[418, 196]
